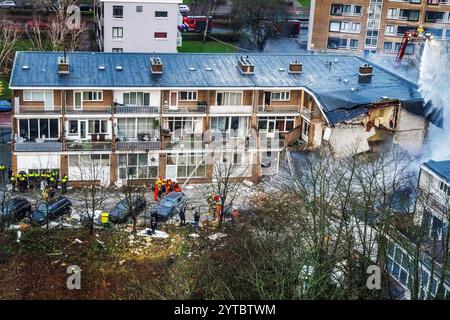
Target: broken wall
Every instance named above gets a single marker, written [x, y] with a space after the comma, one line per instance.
[410, 131]
[347, 140]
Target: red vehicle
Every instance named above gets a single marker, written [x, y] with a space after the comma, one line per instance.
[195, 23]
[412, 36]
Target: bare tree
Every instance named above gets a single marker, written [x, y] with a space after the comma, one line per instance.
[62, 30]
[9, 34]
[259, 17]
[92, 191]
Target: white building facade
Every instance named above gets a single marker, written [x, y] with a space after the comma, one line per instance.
[138, 25]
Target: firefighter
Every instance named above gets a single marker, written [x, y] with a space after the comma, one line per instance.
[10, 173]
[2, 172]
[22, 182]
[176, 187]
[52, 181]
[13, 181]
[64, 181]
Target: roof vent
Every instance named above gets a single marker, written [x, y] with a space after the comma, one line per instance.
[208, 69]
[246, 66]
[295, 67]
[192, 69]
[101, 67]
[365, 73]
[63, 64]
[119, 68]
[25, 67]
[156, 65]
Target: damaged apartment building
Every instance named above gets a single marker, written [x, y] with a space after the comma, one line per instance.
[144, 115]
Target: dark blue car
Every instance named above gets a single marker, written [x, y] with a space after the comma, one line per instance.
[15, 209]
[47, 212]
[171, 205]
[122, 210]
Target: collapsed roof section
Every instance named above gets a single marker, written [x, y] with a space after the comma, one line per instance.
[334, 79]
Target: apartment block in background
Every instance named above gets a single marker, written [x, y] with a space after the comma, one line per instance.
[137, 25]
[374, 26]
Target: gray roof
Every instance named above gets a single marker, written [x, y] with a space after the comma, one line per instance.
[441, 168]
[336, 87]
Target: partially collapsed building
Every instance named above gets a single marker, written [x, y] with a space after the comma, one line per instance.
[145, 115]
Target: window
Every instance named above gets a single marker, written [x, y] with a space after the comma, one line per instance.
[390, 29]
[280, 96]
[98, 126]
[160, 14]
[397, 46]
[187, 164]
[447, 34]
[387, 46]
[136, 128]
[139, 8]
[357, 10]
[432, 16]
[37, 96]
[160, 35]
[117, 12]
[444, 188]
[356, 27]
[281, 124]
[392, 13]
[73, 127]
[335, 26]
[236, 126]
[117, 50]
[92, 96]
[229, 98]
[187, 96]
[30, 129]
[435, 2]
[410, 47]
[136, 99]
[402, 29]
[371, 42]
[410, 15]
[137, 166]
[117, 33]
[180, 126]
[354, 44]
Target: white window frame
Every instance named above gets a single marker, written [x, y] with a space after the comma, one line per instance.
[96, 96]
[136, 94]
[117, 17]
[335, 26]
[283, 96]
[390, 30]
[190, 95]
[117, 37]
[102, 130]
[48, 104]
[230, 92]
[39, 128]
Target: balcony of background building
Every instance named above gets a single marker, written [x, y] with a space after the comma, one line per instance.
[195, 107]
[90, 145]
[185, 142]
[130, 109]
[36, 110]
[230, 109]
[268, 109]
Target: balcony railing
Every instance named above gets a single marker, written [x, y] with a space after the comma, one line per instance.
[138, 145]
[46, 146]
[185, 109]
[277, 109]
[230, 109]
[185, 144]
[88, 146]
[123, 109]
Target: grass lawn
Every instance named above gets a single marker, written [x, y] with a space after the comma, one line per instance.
[305, 3]
[209, 47]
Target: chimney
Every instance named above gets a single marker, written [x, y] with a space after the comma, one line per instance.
[365, 73]
[245, 65]
[156, 65]
[295, 67]
[63, 64]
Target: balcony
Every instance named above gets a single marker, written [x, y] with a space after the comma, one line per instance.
[307, 114]
[88, 146]
[269, 109]
[45, 146]
[138, 145]
[101, 110]
[144, 110]
[199, 108]
[230, 109]
[185, 145]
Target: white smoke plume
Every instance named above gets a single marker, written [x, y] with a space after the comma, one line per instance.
[434, 84]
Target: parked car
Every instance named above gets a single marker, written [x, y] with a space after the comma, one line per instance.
[86, 7]
[8, 5]
[121, 211]
[183, 8]
[56, 207]
[170, 205]
[15, 209]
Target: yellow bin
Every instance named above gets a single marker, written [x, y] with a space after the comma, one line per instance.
[105, 217]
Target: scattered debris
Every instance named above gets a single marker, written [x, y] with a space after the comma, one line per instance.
[194, 235]
[158, 234]
[77, 241]
[216, 236]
